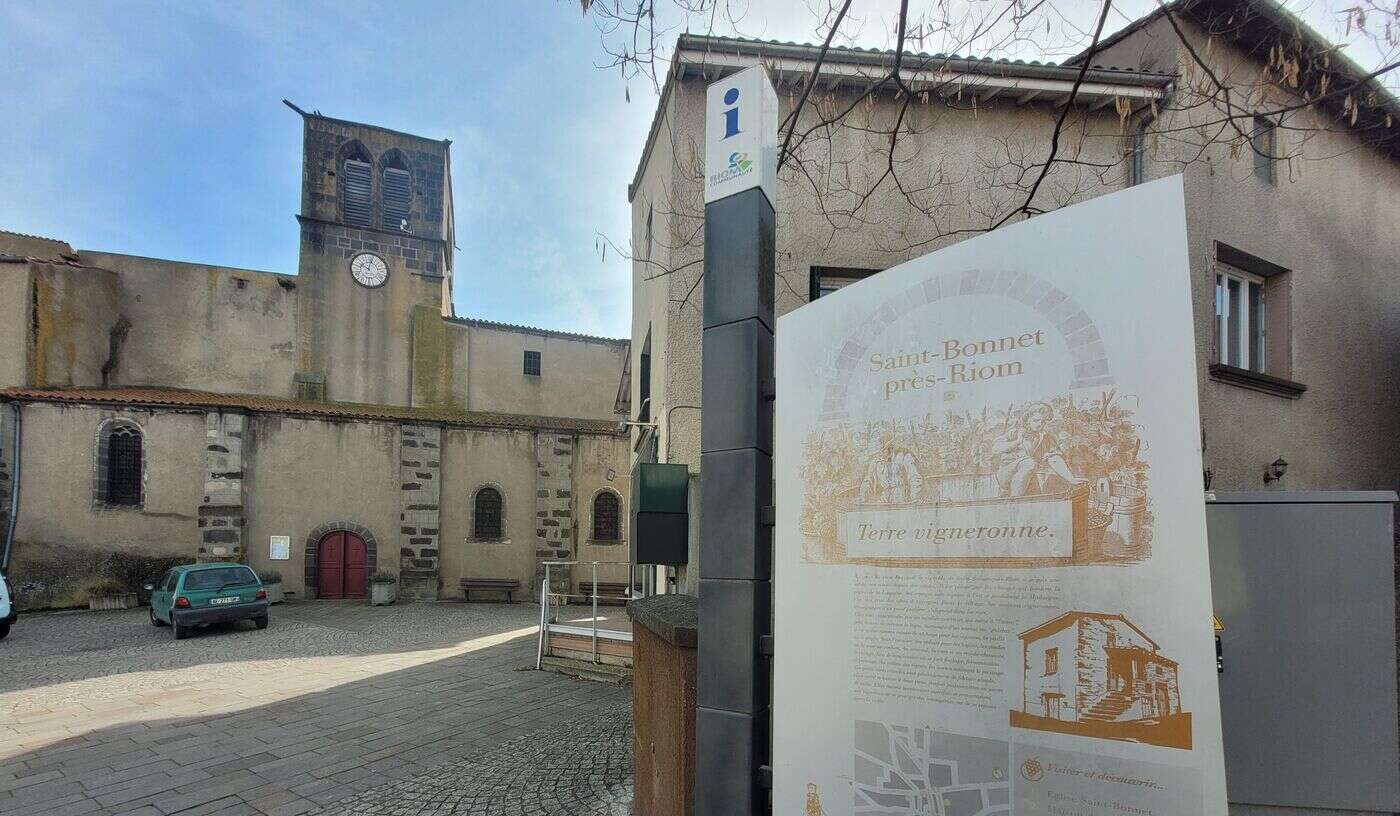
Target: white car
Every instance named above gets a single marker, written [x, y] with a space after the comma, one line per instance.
[8, 613]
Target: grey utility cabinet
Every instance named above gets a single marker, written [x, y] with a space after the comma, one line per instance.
[1304, 585]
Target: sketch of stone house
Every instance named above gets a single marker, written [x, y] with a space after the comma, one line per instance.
[1098, 675]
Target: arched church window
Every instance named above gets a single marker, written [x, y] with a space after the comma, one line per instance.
[355, 182]
[120, 460]
[397, 190]
[487, 522]
[607, 517]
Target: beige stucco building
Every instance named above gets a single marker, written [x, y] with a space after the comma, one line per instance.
[1301, 230]
[171, 411]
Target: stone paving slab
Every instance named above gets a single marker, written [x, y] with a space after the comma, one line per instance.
[102, 713]
[583, 766]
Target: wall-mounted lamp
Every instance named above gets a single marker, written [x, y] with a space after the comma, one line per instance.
[1208, 476]
[1276, 470]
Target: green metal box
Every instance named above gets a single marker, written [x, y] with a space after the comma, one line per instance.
[660, 513]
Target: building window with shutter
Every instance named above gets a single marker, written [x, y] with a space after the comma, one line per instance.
[397, 193]
[1052, 661]
[828, 279]
[1139, 154]
[120, 464]
[532, 363]
[607, 517]
[1264, 142]
[487, 515]
[1253, 323]
[356, 174]
[1239, 318]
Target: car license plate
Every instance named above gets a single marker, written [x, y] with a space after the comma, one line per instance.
[218, 601]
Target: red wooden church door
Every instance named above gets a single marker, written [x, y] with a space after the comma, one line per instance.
[342, 568]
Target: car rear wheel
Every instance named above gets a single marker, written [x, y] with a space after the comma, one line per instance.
[260, 621]
[4, 630]
[156, 621]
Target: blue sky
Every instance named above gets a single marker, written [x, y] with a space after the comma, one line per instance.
[157, 129]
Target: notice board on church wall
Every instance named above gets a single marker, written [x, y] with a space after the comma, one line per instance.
[992, 592]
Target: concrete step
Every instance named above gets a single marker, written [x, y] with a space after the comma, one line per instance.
[588, 670]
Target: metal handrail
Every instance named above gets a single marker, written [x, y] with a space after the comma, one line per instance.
[547, 618]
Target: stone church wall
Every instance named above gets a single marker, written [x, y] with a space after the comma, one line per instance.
[578, 377]
[473, 459]
[602, 463]
[203, 327]
[66, 541]
[14, 324]
[305, 475]
[73, 310]
[219, 484]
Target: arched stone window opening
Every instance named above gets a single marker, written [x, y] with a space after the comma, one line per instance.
[120, 464]
[488, 516]
[355, 184]
[607, 517]
[396, 192]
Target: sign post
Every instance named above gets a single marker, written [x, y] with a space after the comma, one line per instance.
[995, 592]
[736, 445]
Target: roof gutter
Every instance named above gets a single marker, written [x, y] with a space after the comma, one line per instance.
[784, 58]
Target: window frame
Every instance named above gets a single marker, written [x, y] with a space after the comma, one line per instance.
[500, 513]
[1137, 168]
[1052, 661]
[394, 161]
[1263, 144]
[848, 275]
[538, 363]
[646, 247]
[617, 518]
[103, 465]
[1250, 336]
[355, 153]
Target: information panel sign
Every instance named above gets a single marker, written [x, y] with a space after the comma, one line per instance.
[741, 135]
[992, 593]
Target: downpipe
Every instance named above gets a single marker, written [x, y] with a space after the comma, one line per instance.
[14, 492]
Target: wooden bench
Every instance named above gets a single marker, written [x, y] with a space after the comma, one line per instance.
[608, 592]
[507, 585]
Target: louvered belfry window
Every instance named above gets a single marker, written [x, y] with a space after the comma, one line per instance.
[486, 524]
[121, 468]
[355, 203]
[606, 517]
[398, 196]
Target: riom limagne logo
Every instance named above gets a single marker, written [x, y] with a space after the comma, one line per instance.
[739, 165]
[1032, 770]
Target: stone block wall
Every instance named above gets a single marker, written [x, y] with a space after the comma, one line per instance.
[554, 507]
[221, 513]
[420, 494]
[421, 257]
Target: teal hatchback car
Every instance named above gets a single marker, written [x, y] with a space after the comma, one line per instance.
[200, 594]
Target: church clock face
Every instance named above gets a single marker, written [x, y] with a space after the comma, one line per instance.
[369, 269]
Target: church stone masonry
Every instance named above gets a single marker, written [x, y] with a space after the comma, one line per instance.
[346, 408]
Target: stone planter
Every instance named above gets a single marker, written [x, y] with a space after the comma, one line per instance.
[126, 600]
[274, 593]
[383, 594]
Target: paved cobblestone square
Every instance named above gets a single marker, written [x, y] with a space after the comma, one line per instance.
[336, 708]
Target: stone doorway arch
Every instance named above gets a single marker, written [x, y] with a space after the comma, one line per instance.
[311, 571]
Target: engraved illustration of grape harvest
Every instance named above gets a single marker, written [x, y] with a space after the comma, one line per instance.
[1037, 483]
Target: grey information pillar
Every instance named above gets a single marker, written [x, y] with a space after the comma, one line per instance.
[736, 467]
